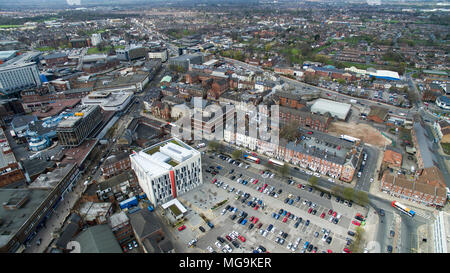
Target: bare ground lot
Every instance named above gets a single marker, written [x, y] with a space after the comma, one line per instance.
[365, 132]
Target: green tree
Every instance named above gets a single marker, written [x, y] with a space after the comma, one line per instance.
[313, 181]
[348, 193]
[236, 154]
[284, 170]
[362, 198]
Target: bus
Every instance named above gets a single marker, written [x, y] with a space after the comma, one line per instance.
[276, 162]
[403, 208]
[349, 138]
[251, 158]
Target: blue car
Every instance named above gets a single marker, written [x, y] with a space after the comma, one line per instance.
[274, 215]
[277, 217]
[291, 201]
[284, 212]
[244, 222]
[219, 168]
[249, 203]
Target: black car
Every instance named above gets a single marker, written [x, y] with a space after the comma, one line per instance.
[310, 189]
[233, 177]
[263, 249]
[251, 226]
[208, 171]
[329, 196]
[233, 216]
[307, 223]
[328, 240]
[389, 248]
[381, 212]
[310, 247]
[296, 224]
[338, 199]
[297, 199]
[280, 191]
[351, 233]
[236, 245]
[300, 219]
[201, 229]
[314, 212]
[240, 220]
[227, 207]
[220, 239]
[284, 235]
[231, 171]
[349, 241]
[350, 204]
[392, 233]
[286, 200]
[321, 194]
[296, 168]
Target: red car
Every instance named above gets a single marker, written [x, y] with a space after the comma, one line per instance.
[285, 219]
[182, 228]
[241, 238]
[329, 251]
[346, 250]
[310, 133]
[228, 238]
[256, 181]
[288, 214]
[256, 207]
[255, 220]
[322, 215]
[334, 214]
[214, 181]
[330, 212]
[310, 209]
[356, 223]
[299, 186]
[251, 218]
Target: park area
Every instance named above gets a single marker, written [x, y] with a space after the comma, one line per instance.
[365, 132]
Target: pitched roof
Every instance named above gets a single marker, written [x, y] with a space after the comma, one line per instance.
[144, 224]
[98, 239]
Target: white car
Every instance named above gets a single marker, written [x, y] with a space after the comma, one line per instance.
[331, 180]
[317, 174]
[265, 233]
[324, 238]
[218, 245]
[371, 179]
[223, 212]
[289, 245]
[272, 175]
[228, 248]
[210, 249]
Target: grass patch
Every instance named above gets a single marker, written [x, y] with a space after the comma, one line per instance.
[10, 26]
[45, 48]
[446, 148]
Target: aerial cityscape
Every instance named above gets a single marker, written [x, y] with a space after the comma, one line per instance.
[262, 126]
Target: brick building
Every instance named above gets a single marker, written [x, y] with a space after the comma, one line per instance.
[116, 164]
[305, 119]
[427, 188]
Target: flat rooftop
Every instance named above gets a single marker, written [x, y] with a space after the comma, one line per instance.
[12, 220]
[163, 156]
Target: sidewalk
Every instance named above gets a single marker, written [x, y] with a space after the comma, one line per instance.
[56, 221]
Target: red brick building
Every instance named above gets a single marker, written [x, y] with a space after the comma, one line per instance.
[116, 164]
[427, 188]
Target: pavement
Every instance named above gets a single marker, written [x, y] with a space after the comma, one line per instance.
[55, 223]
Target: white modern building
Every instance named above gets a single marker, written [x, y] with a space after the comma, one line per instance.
[96, 39]
[336, 109]
[158, 53]
[109, 101]
[167, 169]
[17, 77]
[441, 236]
